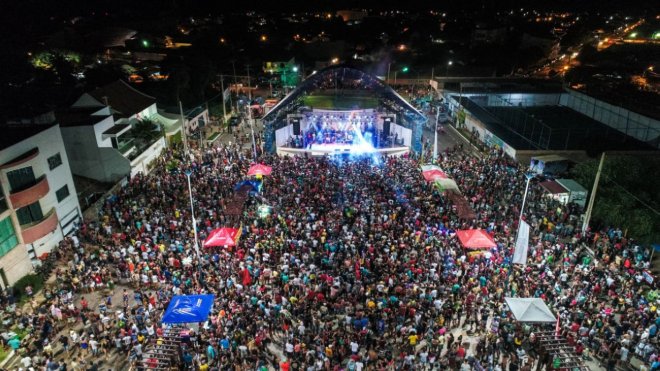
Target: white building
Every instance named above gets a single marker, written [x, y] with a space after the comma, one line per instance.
[100, 137]
[38, 203]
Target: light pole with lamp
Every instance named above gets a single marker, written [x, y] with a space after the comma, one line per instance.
[192, 213]
[435, 135]
[447, 68]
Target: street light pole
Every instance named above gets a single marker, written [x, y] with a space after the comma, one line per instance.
[184, 137]
[395, 72]
[224, 109]
[522, 207]
[435, 136]
[192, 213]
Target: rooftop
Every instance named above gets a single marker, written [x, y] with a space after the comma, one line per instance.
[115, 129]
[123, 98]
[12, 134]
[79, 116]
[549, 128]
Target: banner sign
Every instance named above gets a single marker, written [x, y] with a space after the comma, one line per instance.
[522, 244]
[188, 309]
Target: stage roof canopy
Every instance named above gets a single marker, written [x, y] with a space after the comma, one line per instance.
[530, 310]
[337, 79]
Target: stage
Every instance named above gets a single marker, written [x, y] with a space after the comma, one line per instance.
[332, 149]
[342, 132]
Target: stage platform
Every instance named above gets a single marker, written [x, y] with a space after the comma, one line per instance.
[341, 149]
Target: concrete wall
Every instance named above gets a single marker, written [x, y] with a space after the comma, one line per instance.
[472, 123]
[140, 163]
[637, 126]
[104, 164]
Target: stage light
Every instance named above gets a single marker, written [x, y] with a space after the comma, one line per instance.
[404, 69]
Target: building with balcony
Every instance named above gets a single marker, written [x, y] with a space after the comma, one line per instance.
[112, 132]
[38, 203]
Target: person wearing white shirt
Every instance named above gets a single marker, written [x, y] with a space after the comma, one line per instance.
[355, 347]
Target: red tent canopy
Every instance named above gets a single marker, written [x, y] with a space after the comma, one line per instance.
[222, 237]
[259, 169]
[475, 239]
[432, 175]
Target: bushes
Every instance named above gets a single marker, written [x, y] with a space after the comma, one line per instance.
[34, 280]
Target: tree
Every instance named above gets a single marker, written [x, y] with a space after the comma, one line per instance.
[627, 196]
[145, 131]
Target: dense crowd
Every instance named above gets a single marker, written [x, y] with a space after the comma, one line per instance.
[356, 268]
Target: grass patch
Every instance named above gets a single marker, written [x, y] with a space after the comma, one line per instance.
[20, 332]
[340, 102]
[176, 138]
[4, 353]
[213, 136]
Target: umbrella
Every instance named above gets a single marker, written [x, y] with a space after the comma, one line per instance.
[432, 175]
[260, 169]
[430, 167]
[222, 237]
[446, 183]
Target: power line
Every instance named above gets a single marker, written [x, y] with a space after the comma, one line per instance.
[631, 195]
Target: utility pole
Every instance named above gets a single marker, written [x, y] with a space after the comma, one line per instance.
[388, 72]
[233, 66]
[184, 138]
[224, 109]
[249, 107]
[592, 197]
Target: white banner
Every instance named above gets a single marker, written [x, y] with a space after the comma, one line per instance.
[522, 244]
[226, 95]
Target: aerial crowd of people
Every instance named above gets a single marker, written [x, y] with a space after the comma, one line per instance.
[356, 267]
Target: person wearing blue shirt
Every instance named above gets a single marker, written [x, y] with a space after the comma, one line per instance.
[210, 353]
[224, 343]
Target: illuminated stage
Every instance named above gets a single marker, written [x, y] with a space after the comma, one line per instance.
[342, 132]
[341, 149]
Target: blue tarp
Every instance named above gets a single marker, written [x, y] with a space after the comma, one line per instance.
[188, 309]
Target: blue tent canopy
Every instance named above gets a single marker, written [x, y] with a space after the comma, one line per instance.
[188, 309]
[255, 185]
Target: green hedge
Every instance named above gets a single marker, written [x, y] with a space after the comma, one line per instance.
[34, 280]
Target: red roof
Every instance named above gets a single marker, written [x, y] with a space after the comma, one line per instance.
[553, 187]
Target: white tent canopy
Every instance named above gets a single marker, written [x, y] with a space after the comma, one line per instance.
[530, 310]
